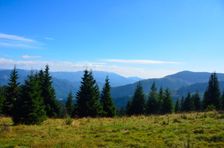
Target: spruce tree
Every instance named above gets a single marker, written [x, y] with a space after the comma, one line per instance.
[12, 93]
[189, 103]
[167, 106]
[212, 93]
[160, 99]
[69, 104]
[197, 101]
[182, 104]
[88, 103]
[95, 107]
[106, 100]
[2, 98]
[152, 105]
[128, 108]
[29, 108]
[177, 106]
[138, 102]
[48, 93]
[222, 101]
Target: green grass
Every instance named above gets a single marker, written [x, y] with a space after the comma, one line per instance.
[175, 130]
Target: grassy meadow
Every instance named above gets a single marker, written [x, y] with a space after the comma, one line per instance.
[174, 130]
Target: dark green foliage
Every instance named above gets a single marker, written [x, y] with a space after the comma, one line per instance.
[138, 102]
[88, 103]
[48, 93]
[222, 101]
[167, 106]
[182, 104]
[106, 100]
[152, 105]
[121, 111]
[189, 103]
[69, 104]
[212, 93]
[29, 108]
[12, 93]
[197, 101]
[177, 106]
[160, 99]
[62, 112]
[128, 108]
[2, 98]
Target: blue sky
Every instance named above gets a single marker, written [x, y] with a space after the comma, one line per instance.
[145, 38]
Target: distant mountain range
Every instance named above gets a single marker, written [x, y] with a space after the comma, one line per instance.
[180, 84]
[123, 87]
[64, 82]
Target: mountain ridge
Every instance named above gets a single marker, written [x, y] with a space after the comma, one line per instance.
[64, 82]
[179, 83]
[123, 87]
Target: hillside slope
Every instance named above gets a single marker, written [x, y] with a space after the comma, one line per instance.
[175, 130]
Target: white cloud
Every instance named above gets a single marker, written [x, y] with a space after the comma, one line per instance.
[125, 70]
[55, 65]
[15, 41]
[30, 57]
[145, 62]
[15, 38]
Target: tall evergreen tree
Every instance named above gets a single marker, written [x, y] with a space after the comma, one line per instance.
[167, 106]
[212, 93]
[106, 100]
[48, 93]
[128, 108]
[69, 104]
[177, 106]
[12, 93]
[182, 104]
[197, 101]
[138, 102]
[152, 105]
[29, 108]
[2, 98]
[160, 99]
[189, 103]
[88, 103]
[222, 101]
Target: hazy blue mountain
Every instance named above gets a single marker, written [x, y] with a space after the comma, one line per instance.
[194, 77]
[123, 88]
[180, 84]
[115, 79]
[128, 90]
[4, 75]
[64, 82]
[198, 87]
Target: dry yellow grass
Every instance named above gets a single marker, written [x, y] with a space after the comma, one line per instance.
[175, 130]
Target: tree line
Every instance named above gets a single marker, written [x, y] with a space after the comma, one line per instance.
[157, 102]
[35, 100]
[161, 102]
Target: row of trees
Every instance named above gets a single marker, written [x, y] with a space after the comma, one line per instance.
[162, 103]
[35, 100]
[157, 102]
[212, 99]
[189, 103]
[89, 101]
[32, 101]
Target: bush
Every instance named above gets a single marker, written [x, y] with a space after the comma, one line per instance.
[210, 108]
[68, 121]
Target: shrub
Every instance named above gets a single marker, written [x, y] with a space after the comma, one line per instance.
[68, 121]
